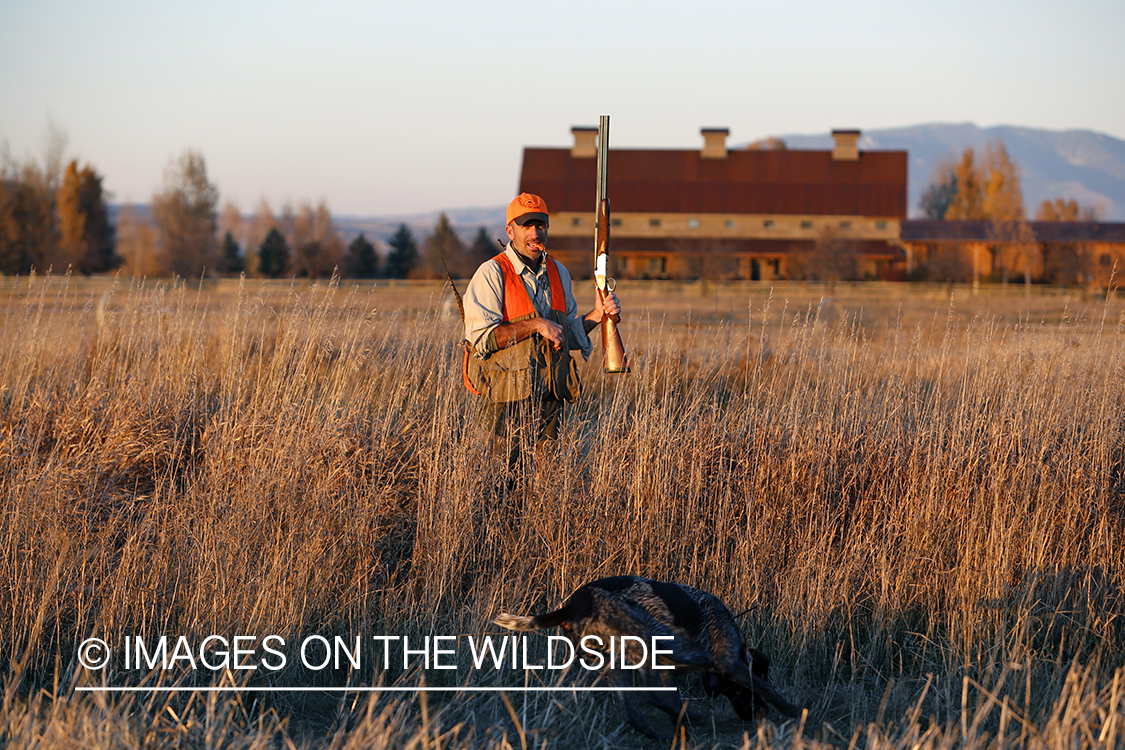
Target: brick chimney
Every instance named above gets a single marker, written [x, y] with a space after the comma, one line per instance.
[846, 146]
[585, 142]
[714, 143]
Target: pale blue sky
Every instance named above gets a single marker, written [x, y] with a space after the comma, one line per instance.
[383, 108]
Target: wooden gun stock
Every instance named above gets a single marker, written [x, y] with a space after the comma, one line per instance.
[613, 350]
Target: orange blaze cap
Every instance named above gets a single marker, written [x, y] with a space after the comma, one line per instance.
[527, 207]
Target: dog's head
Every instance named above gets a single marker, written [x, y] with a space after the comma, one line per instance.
[749, 705]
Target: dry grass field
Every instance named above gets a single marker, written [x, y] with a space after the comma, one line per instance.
[917, 493]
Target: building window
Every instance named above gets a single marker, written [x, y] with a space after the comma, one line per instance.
[654, 222]
[1104, 259]
[730, 224]
[615, 222]
[692, 223]
[806, 225]
[576, 221]
[845, 225]
[657, 265]
[767, 223]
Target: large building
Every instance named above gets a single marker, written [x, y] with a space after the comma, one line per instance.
[717, 212]
[1071, 253]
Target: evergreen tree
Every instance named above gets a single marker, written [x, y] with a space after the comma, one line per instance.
[938, 196]
[444, 245]
[232, 257]
[483, 248]
[404, 253]
[361, 261]
[273, 255]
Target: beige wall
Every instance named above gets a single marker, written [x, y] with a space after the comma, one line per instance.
[727, 226]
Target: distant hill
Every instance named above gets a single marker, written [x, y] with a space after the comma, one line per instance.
[1079, 164]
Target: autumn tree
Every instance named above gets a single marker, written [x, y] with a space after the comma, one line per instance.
[972, 189]
[360, 260]
[257, 228]
[1061, 209]
[86, 239]
[317, 247]
[403, 256]
[71, 220]
[11, 254]
[1002, 196]
[23, 217]
[968, 202]
[287, 223]
[51, 218]
[185, 215]
[1002, 203]
[136, 243]
[27, 222]
[444, 245]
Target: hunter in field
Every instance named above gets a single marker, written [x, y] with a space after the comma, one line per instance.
[522, 322]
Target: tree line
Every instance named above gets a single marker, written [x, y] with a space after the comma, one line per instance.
[57, 218]
[987, 188]
[54, 214]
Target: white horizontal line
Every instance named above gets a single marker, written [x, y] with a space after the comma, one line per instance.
[273, 689]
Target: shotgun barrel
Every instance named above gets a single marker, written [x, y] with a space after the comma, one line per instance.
[613, 351]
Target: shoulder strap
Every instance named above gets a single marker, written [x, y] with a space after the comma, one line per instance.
[517, 302]
[558, 301]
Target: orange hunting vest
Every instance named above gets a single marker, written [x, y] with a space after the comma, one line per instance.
[517, 302]
[509, 375]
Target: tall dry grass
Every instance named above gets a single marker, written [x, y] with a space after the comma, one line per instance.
[921, 507]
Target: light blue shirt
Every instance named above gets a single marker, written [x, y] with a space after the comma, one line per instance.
[484, 301]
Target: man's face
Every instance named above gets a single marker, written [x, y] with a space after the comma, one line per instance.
[530, 239]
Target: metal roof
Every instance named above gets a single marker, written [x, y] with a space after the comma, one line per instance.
[745, 182]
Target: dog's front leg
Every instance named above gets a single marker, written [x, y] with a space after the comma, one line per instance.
[672, 701]
[633, 714]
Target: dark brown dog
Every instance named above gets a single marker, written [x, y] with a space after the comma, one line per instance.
[703, 638]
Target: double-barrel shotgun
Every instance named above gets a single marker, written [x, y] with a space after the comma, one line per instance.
[613, 351]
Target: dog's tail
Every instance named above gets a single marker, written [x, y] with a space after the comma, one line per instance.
[515, 622]
[538, 622]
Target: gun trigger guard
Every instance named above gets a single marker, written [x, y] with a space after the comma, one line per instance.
[610, 285]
